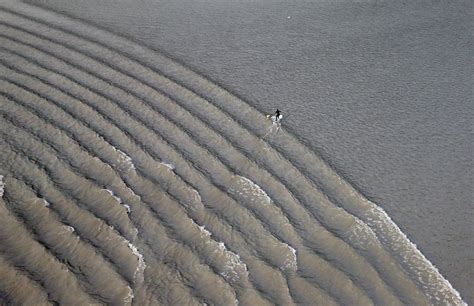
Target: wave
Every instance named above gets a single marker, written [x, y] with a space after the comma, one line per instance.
[171, 190]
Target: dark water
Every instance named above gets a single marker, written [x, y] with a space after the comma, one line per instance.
[129, 178]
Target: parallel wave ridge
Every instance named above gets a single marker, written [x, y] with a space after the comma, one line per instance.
[127, 178]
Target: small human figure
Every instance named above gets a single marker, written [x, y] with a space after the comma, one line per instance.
[276, 117]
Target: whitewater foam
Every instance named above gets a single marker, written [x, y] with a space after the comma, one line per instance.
[428, 275]
[249, 189]
[141, 261]
[119, 200]
[125, 160]
[2, 186]
[291, 262]
[70, 228]
[362, 235]
[387, 232]
[197, 196]
[204, 231]
[130, 296]
[168, 165]
[234, 266]
[45, 203]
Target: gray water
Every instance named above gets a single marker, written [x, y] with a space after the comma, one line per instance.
[223, 199]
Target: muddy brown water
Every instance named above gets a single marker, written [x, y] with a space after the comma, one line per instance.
[128, 178]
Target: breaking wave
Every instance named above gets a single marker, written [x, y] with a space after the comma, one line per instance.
[158, 186]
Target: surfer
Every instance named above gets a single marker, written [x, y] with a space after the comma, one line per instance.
[276, 117]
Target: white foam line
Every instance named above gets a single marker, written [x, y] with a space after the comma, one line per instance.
[253, 188]
[389, 220]
[193, 199]
[45, 203]
[423, 265]
[168, 165]
[130, 296]
[2, 186]
[126, 159]
[204, 231]
[197, 196]
[119, 200]
[123, 159]
[291, 263]
[234, 266]
[141, 261]
[380, 222]
[138, 272]
[362, 234]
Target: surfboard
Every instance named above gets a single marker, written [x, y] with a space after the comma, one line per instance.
[273, 118]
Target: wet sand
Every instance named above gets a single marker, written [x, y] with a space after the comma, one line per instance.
[130, 178]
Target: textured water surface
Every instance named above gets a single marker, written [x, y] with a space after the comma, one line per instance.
[130, 179]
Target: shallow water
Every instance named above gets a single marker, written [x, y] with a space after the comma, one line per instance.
[136, 180]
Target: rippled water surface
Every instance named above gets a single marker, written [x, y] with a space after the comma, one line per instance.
[128, 178]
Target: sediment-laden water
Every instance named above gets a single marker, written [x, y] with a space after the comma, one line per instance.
[127, 184]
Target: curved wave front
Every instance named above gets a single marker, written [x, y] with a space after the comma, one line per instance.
[129, 178]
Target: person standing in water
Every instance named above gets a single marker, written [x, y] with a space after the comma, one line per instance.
[276, 117]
